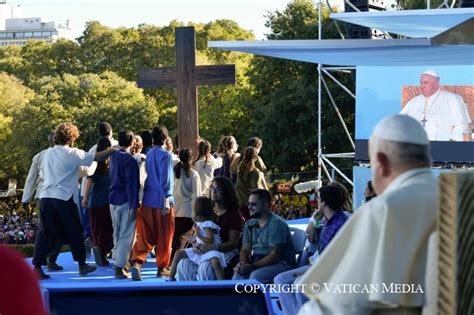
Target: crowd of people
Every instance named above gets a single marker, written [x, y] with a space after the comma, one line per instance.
[294, 206]
[17, 226]
[137, 196]
[208, 222]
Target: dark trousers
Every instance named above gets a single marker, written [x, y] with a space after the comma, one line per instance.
[182, 229]
[101, 228]
[60, 220]
[53, 255]
[58, 243]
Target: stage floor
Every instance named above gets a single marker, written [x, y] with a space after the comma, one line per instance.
[66, 292]
[103, 275]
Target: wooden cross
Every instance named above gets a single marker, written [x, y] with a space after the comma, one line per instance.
[186, 76]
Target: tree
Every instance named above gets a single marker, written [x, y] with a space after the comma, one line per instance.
[224, 109]
[284, 99]
[125, 51]
[85, 100]
[14, 97]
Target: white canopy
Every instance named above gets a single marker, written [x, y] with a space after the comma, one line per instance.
[410, 23]
[357, 52]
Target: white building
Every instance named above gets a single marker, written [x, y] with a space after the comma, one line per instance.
[16, 30]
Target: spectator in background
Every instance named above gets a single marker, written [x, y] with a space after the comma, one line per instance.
[205, 164]
[330, 205]
[169, 147]
[347, 205]
[141, 158]
[227, 150]
[257, 144]
[187, 187]
[369, 191]
[147, 141]
[248, 178]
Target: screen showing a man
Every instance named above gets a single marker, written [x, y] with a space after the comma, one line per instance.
[439, 97]
[443, 114]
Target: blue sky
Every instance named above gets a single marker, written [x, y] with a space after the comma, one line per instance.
[248, 13]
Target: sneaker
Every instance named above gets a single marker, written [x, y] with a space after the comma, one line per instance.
[53, 266]
[121, 274]
[41, 275]
[136, 272]
[85, 269]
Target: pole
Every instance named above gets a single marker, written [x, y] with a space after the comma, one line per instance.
[320, 153]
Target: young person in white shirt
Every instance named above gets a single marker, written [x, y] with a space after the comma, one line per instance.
[59, 198]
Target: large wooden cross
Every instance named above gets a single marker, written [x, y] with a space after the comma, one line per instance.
[186, 76]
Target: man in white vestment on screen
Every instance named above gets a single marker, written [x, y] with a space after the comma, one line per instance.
[376, 263]
[443, 114]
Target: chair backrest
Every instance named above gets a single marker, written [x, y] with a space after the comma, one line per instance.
[299, 239]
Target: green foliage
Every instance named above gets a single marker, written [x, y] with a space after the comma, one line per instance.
[418, 4]
[14, 97]
[85, 100]
[285, 93]
[223, 109]
[94, 80]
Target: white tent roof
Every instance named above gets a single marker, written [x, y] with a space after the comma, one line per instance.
[356, 52]
[410, 23]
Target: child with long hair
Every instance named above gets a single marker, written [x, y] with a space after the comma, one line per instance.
[205, 232]
[187, 187]
[228, 151]
[205, 164]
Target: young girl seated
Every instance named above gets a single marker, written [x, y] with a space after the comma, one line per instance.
[205, 232]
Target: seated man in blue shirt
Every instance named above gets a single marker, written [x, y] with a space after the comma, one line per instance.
[267, 248]
[330, 202]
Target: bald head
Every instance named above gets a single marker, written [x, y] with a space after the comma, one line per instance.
[398, 144]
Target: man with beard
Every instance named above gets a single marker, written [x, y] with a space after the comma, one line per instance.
[267, 247]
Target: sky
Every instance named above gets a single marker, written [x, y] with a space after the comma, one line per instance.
[249, 14]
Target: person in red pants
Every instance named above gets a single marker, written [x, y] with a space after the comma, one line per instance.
[155, 220]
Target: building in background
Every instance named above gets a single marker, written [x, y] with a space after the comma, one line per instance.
[17, 30]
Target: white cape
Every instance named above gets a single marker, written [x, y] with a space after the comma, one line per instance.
[384, 244]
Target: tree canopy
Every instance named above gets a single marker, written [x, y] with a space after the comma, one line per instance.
[93, 80]
[285, 96]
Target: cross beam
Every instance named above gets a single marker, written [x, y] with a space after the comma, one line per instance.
[186, 77]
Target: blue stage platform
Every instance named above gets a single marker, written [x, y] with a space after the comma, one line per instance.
[100, 293]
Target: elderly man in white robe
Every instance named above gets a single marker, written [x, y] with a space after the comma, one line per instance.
[443, 114]
[376, 264]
